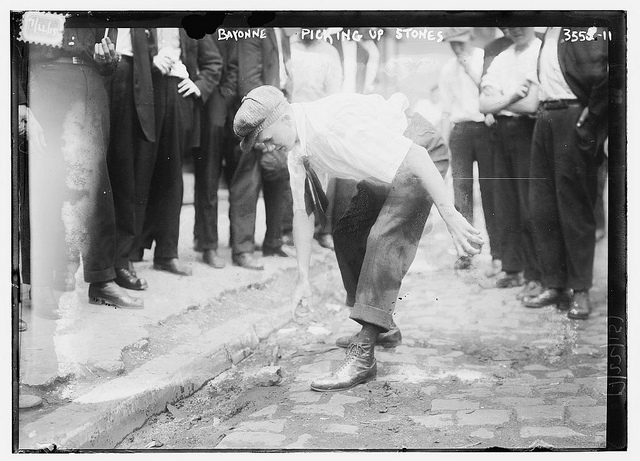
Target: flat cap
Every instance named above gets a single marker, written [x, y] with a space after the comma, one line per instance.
[259, 108]
[458, 34]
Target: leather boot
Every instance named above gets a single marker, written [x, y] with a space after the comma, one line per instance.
[112, 295]
[211, 258]
[509, 279]
[129, 280]
[531, 289]
[172, 265]
[559, 297]
[580, 307]
[359, 366]
[391, 338]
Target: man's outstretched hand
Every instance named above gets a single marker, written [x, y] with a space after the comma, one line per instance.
[466, 238]
[302, 302]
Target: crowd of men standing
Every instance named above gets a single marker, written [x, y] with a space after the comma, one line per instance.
[532, 111]
[108, 118]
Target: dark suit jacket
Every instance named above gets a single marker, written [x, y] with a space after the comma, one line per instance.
[204, 64]
[258, 62]
[142, 82]
[224, 98]
[584, 65]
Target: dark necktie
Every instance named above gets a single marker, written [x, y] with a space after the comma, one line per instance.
[315, 200]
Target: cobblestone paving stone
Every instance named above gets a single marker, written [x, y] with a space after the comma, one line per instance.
[475, 370]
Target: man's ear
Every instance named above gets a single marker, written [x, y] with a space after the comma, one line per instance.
[286, 118]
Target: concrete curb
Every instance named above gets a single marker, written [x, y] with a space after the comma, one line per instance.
[101, 418]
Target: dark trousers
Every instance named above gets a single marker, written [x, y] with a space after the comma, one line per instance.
[513, 168]
[174, 118]
[472, 142]
[563, 194]
[130, 159]
[339, 191]
[71, 203]
[376, 241]
[217, 146]
[243, 198]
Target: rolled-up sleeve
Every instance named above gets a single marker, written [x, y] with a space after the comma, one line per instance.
[297, 177]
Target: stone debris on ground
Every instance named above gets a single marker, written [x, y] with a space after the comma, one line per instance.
[475, 370]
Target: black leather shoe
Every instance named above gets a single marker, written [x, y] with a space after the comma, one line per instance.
[359, 366]
[111, 294]
[391, 338]
[549, 297]
[509, 279]
[326, 241]
[580, 306]
[211, 258]
[268, 251]
[172, 265]
[129, 280]
[531, 289]
[246, 260]
[462, 263]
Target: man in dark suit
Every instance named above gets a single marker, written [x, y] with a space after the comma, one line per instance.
[567, 146]
[68, 134]
[186, 72]
[261, 62]
[217, 114]
[130, 157]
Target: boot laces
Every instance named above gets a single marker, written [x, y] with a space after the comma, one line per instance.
[355, 350]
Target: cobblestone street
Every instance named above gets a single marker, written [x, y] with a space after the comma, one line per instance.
[475, 370]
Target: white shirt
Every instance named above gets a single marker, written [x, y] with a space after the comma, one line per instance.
[460, 95]
[281, 65]
[350, 136]
[123, 42]
[512, 67]
[169, 45]
[316, 71]
[552, 82]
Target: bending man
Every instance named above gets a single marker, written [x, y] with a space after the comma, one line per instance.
[359, 137]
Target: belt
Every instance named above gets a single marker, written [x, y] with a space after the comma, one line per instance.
[516, 118]
[555, 104]
[74, 60]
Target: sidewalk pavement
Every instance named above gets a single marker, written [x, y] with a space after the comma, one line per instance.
[476, 370]
[103, 371]
[102, 377]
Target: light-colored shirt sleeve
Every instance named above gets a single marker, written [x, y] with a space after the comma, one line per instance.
[297, 178]
[493, 77]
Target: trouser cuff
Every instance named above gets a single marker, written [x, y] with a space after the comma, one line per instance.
[105, 275]
[363, 313]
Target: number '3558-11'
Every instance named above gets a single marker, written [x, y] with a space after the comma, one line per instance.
[588, 35]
